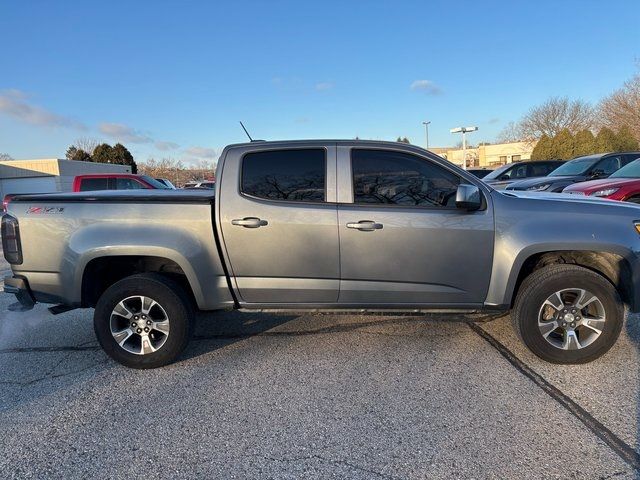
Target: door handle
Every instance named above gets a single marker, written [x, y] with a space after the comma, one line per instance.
[249, 222]
[365, 225]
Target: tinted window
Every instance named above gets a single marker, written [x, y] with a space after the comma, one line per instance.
[578, 166]
[89, 184]
[395, 178]
[609, 165]
[294, 175]
[540, 170]
[127, 184]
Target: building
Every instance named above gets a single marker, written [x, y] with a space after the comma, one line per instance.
[488, 156]
[48, 175]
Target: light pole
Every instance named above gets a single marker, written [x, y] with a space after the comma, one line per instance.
[426, 129]
[463, 131]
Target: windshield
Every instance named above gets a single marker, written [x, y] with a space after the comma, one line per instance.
[579, 166]
[497, 172]
[154, 183]
[631, 170]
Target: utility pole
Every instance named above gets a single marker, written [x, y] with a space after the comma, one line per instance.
[426, 128]
[463, 131]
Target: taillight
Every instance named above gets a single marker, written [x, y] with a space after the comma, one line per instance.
[5, 202]
[11, 240]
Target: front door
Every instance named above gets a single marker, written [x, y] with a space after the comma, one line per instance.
[402, 240]
[278, 226]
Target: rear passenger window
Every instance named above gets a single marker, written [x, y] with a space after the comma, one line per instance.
[293, 175]
[540, 170]
[128, 184]
[395, 178]
[90, 184]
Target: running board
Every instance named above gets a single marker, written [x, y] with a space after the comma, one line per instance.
[58, 309]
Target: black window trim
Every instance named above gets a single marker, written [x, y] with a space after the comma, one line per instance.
[273, 200]
[413, 207]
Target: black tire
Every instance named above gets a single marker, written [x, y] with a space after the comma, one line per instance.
[174, 301]
[633, 200]
[540, 285]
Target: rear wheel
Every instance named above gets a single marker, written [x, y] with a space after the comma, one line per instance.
[567, 314]
[144, 321]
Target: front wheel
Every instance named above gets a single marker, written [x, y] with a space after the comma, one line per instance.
[567, 314]
[144, 321]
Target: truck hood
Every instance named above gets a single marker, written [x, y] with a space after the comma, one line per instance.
[601, 184]
[500, 184]
[533, 182]
[567, 198]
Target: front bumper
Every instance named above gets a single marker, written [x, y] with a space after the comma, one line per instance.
[19, 286]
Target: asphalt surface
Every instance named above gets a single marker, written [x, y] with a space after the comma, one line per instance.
[313, 396]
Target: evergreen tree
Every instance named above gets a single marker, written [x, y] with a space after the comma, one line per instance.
[74, 153]
[563, 145]
[585, 143]
[625, 141]
[403, 140]
[605, 141]
[102, 153]
[542, 150]
[121, 156]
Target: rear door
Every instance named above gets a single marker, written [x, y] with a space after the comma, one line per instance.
[278, 218]
[402, 240]
[89, 184]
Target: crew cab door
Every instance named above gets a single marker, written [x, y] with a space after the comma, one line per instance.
[402, 239]
[278, 217]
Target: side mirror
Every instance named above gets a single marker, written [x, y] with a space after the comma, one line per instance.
[597, 173]
[468, 197]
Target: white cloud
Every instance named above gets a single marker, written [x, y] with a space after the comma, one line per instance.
[166, 146]
[426, 86]
[124, 133]
[324, 86]
[201, 152]
[13, 103]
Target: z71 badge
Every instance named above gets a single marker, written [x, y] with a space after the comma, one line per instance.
[45, 210]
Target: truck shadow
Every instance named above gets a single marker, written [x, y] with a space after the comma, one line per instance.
[217, 330]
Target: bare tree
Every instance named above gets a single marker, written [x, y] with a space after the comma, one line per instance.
[5, 156]
[512, 132]
[554, 115]
[175, 171]
[622, 108]
[86, 144]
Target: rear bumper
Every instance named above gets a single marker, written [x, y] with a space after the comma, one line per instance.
[19, 286]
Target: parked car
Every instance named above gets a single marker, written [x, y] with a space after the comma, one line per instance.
[386, 226]
[514, 172]
[581, 169]
[479, 172]
[208, 184]
[167, 183]
[115, 181]
[622, 185]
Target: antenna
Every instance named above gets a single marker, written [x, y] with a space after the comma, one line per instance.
[245, 131]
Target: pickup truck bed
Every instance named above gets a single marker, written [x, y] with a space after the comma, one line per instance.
[347, 225]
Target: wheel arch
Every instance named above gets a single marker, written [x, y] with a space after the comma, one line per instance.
[612, 265]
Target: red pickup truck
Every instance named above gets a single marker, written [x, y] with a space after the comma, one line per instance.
[105, 181]
[115, 181]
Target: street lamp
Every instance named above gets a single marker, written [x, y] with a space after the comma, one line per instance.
[426, 128]
[463, 131]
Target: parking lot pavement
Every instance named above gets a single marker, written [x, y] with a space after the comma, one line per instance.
[312, 396]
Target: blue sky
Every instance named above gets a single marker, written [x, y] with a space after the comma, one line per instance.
[172, 79]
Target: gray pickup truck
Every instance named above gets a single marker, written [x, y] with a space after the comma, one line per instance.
[328, 225]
